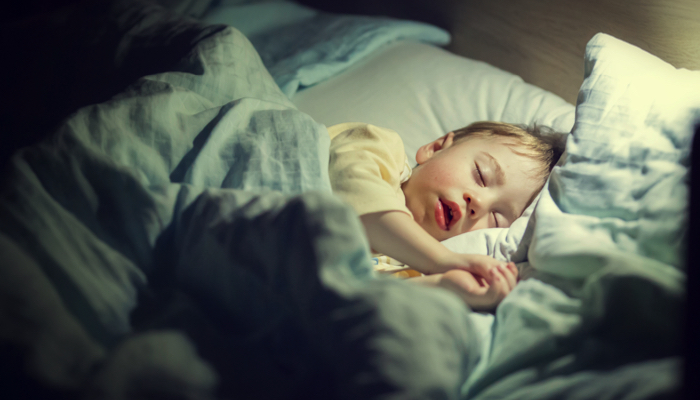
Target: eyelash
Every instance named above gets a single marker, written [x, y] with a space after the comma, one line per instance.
[483, 183]
[481, 177]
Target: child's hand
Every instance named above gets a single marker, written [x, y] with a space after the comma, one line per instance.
[479, 293]
[477, 264]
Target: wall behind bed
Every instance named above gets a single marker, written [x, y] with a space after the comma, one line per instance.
[543, 40]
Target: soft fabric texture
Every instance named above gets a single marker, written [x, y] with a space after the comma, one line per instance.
[631, 147]
[112, 208]
[301, 47]
[423, 92]
[125, 202]
[258, 17]
[190, 8]
[82, 54]
[507, 244]
[608, 247]
[366, 168]
[291, 278]
[416, 89]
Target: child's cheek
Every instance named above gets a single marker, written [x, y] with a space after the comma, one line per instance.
[442, 178]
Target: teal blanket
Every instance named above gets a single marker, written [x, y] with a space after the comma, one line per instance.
[202, 182]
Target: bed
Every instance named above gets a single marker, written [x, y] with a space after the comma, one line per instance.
[168, 229]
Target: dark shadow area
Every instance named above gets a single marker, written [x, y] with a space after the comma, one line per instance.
[417, 10]
[64, 55]
[692, 321]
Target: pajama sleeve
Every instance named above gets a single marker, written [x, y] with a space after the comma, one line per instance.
[366, 165]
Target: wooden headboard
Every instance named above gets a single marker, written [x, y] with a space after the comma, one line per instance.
[543, 41]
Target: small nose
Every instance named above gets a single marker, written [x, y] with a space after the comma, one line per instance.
[473, 206]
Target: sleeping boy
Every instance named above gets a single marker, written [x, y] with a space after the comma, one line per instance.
[480, 176]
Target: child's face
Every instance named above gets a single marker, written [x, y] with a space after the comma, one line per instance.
[472, 184]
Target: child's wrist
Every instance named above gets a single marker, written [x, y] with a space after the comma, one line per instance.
[445, 260]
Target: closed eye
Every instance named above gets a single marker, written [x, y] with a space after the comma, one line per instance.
[495, 219]
[481, 177]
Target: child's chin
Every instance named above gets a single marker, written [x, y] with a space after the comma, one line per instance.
[439, 234]
[448, 235]
[435, 231]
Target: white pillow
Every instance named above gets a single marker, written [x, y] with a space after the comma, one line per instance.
[624, 186]
[422, 92]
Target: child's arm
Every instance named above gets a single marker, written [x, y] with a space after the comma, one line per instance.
[397, 235]
[478, 294]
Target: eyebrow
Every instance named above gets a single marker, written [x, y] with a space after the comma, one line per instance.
[500, 176]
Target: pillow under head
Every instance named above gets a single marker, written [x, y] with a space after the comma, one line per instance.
[422, 92]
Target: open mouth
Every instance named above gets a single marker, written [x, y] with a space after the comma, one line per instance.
[448, 213]
[445, 214]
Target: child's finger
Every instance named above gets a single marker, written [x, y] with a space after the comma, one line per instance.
[481, 269]
[499, 284]
[461, 281]
[509, 276]
[514, 268]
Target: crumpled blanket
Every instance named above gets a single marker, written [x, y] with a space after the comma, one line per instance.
[186, 186]
[602, 315]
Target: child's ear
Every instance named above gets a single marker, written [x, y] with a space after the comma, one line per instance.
[427, 151]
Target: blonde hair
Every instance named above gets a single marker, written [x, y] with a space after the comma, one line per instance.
[538, 142]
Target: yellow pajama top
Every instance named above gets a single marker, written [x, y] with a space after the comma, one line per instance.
[367, 166]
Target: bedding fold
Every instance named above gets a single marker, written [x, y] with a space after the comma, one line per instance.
[202, 178]
[608, 289]
[85, 53]
[301, 46]
[192, 179]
